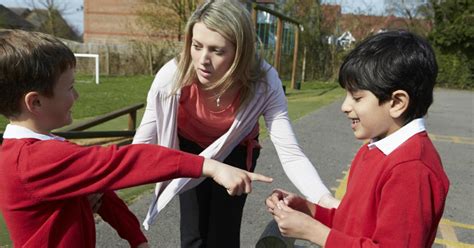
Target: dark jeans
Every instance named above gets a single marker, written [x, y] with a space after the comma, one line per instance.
[209, 216]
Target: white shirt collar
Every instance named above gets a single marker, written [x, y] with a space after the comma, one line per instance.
[391, 142]
[18, 132]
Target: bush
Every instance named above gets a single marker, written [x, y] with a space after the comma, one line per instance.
[454, 71]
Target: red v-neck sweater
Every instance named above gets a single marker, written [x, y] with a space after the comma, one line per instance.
[44, 187]
[391, 201]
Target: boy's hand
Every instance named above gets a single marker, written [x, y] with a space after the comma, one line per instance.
[295, 224]
[143, 245]
[274, 198]
[95, 200]
[290, 199]
[235, 180]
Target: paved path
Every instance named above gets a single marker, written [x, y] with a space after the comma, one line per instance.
[328, 141]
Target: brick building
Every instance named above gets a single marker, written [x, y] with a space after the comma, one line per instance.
[111, 21]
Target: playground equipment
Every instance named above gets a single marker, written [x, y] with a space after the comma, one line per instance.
[278, 37]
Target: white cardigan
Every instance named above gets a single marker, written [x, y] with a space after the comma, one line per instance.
[159, 126]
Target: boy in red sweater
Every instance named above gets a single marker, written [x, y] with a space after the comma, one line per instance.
[397, 187]
[45, 181]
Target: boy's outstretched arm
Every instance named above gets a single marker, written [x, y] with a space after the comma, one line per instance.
[235, 180]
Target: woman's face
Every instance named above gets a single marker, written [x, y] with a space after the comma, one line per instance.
[211, 53]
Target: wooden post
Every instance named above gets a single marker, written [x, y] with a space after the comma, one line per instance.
[254, 17]
[303, 70]
[295, 57]
[150, 58]
[132, 120]
[278, 38]
[107, 59]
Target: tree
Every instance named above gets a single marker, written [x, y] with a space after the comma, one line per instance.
[453, 35]
[416, 16]
[166, 16]
[47, 16]
[308, 12]
[453, 30]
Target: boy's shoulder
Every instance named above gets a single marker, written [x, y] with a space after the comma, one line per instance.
[417, 147]
[418, 155]
[26, 147]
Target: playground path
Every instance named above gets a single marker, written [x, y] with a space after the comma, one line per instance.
[327, 139]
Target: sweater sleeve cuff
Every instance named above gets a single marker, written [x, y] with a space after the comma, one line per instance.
[338, 239]
[324, 215]
[138, 241]
[190, 165]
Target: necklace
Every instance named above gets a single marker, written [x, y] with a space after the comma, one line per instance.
[218, 101]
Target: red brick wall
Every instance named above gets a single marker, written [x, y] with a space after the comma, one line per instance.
[113, 21]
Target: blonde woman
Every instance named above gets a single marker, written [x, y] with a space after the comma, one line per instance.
[208, 102]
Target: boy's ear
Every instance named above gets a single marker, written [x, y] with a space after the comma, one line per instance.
[399, 103]
[32, 102]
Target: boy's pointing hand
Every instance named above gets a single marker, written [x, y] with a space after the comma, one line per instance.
[235, 180]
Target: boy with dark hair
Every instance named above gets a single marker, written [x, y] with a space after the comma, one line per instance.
[45, 182]
[397, 186]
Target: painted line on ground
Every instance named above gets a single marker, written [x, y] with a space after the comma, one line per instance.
[449, 243]
[452, 139]
[456, 224]
[447, 233]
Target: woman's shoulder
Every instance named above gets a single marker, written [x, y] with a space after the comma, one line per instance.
[165, 77]
[270, 76]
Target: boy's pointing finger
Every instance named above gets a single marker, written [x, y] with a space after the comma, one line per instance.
[259, 177]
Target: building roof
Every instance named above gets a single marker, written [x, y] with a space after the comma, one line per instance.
[334, 22]
[20, 11]
[9, 19]
[36, 19]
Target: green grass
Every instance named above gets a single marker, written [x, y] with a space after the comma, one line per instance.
[4, 238]
[312, 96]
[117, 92]
[309, 98]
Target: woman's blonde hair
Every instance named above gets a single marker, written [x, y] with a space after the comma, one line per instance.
[231, 20]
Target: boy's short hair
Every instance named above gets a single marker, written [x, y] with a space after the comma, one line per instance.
[29, 61]
[390, 61]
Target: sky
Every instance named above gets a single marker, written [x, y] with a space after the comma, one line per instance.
[373, 7]
[75, 17]
[73, 12]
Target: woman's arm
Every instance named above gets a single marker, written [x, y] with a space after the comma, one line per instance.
[146, 132]
[296, 165]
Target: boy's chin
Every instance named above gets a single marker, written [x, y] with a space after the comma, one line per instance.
[68, 122]
[65, 123]
[361, 137]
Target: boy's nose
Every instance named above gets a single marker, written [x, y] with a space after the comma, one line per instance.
[76, 94]
[345, 107]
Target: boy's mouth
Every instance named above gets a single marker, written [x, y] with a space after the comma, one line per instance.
[354, 122]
